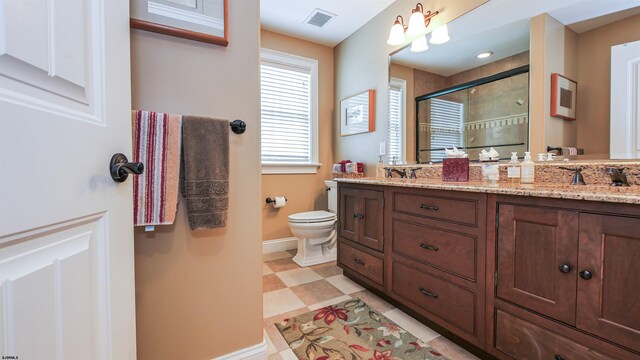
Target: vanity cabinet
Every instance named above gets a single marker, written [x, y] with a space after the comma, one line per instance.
[436, 257]
[572, 267]
[360, 234]
[518, 277]
[361, 216]
[423, 248]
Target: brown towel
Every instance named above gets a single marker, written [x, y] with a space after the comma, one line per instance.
[205, 171]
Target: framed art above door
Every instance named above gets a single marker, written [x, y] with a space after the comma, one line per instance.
[198, 20]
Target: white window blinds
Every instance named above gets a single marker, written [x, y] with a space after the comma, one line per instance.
[396, 118]
[446, 119]
[285, 113]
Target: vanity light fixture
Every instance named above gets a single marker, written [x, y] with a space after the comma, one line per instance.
[396, 35]
[418, 23]
[419, 45]
[440, 35]
[484, 55]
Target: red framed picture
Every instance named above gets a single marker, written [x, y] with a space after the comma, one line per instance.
[564, 96]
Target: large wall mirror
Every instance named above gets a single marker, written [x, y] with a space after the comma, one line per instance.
[490, 85]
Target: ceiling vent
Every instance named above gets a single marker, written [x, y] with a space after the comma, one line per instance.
[319, 18]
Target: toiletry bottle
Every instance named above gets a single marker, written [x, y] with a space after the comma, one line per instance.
[380, 168]
[513, 171]
[527, 169]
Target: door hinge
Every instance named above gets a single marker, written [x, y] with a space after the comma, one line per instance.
[495, 279]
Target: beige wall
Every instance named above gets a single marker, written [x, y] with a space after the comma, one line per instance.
[304, 192]
[594, 78]
[549, 41]
[362, 62]
[198, 294]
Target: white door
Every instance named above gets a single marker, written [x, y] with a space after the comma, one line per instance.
[625, 101]
[66, 233]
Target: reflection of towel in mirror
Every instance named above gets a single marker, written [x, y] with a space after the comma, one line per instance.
[205, 171]
[156, 144]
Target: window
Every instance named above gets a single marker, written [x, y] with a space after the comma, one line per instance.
[289, 113]
[446, 118]
[395, 131]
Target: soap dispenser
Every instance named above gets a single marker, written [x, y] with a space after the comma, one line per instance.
[380, 167]
[513, 171]
[527, 169]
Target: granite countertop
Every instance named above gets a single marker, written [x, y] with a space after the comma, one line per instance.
[599, 192]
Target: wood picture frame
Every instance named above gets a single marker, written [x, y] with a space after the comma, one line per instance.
[358, 113]
[564, 97]
[183, 19]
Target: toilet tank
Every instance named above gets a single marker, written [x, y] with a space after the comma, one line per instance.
[332, 195]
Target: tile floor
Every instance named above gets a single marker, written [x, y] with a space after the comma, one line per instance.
[289, 290]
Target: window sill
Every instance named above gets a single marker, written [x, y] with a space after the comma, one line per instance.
[290, 168]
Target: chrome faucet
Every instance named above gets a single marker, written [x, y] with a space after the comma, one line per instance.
[618, 177]
[577, 178]
[390, 171]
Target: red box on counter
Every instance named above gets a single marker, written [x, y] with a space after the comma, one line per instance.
[455, 169]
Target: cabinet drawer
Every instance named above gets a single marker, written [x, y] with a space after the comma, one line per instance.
[365, 264]
[521, 339]
[450, 251]
[450, 302]
[455, 210]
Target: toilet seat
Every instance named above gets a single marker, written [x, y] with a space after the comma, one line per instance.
[312, 217]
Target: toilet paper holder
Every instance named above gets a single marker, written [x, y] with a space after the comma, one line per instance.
[270, 200]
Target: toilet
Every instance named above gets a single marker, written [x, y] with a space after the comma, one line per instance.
[316, 231]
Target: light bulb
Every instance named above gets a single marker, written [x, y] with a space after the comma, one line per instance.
[396, 35]
[416, 24]
[484, 55]
[440, 35]
[419, 45]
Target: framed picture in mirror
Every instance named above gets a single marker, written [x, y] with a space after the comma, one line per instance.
[357, 113]
[563, 97]
[198, 20]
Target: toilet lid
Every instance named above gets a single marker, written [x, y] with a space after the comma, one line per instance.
[312, 216]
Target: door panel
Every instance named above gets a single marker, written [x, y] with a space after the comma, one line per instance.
[532, 244]
[66, 232]
[348, 208]
[371, 225]
[607, 303]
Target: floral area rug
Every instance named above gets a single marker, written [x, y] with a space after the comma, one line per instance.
[351, 330]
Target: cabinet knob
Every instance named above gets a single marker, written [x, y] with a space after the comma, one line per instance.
[358, 216]
[558, 357]
[358, 261]
[586, 274]
[564, 268]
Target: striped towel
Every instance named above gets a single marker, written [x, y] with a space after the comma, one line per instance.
[156, 143]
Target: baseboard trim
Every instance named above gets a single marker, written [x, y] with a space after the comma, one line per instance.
[255, 352]
[284, 244]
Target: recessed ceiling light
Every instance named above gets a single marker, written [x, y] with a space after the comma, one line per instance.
[485, 54]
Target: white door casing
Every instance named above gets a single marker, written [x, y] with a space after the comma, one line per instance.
[66, 231]
[625, 101]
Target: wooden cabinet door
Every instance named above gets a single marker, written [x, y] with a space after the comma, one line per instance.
[348, 211]
[609, 302]
[533, 243]
[370, 221]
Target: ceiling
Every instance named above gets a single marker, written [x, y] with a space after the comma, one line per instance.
[288, 16]
[502, 26]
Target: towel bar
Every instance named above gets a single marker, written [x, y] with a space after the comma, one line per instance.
[238, 126]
